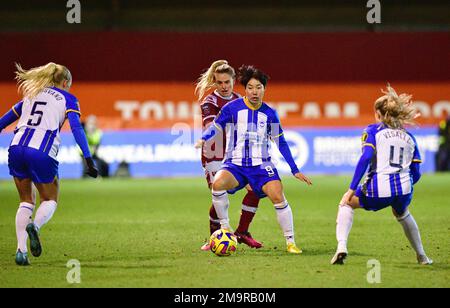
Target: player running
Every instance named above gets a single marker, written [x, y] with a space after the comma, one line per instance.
[249, 125]
[394, 159]
[32, 154]
[221, 77]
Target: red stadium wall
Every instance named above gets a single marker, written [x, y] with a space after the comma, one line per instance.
[309, 57]
[146, 80]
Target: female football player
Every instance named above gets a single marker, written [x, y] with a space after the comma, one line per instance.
[32, 154]
[394, 159]
[221, 77]
[249, 125]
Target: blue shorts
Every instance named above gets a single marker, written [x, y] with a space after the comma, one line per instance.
[398, 203]
[29, 163]
[256, 176]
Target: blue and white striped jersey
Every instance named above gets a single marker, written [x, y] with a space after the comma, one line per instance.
[395, 150]
[42, 118]
[248, 131]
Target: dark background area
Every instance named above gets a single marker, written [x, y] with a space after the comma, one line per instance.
[315, 41]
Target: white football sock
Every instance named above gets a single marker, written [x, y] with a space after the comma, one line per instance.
[221, 205]
[412, 232]
[44, 213]
[23, 218]
[344, 223]
[286, 220]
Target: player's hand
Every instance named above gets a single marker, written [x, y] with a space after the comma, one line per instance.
[199, 144]
[303, 178]
[92, 169]
[347, 197]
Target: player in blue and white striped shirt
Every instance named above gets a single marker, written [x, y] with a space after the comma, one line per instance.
[394, 159]
[33, 151]
[250, 126]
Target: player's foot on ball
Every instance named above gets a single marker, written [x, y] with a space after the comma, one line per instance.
[339, 257]
[424, 260]
[247, 239]
[22, 258]
[205, 247]
[292, 248]
[35, 243]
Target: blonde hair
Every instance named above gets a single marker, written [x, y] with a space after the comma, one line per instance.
[396, 110]
[31, 82]
[207, 79]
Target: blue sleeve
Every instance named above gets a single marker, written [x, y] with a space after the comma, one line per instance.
[209, 132]
[277, 134]
[72, 104]
[78, 133]
[286, 152]
[415, 172]
[275, 129]
[368, 138]
[221, 121]
[362, 165]
[416, 156]
[11, 116]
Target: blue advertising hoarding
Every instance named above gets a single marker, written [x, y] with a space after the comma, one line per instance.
[170, 153]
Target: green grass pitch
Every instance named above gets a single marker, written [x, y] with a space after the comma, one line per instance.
[147, 233]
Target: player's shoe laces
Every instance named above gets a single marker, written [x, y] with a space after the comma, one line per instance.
[35, 243]
[292, 248]
[247, 239]
[22, 258]
[206, 247]
[424, 260]
[339, 257]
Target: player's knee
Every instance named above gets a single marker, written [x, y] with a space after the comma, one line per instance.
[218, 185]
[401, 216]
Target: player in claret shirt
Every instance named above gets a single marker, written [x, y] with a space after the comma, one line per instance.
[221, 77]
[33, 151]
[394, 159]
[250, 125]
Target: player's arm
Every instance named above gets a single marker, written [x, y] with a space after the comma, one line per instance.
[362, 166]
[368, 149]
[415, 172]
[73, 115]
[414, 168]
[11, 116]
[209, 112]
[368, 144]
[218, 125]
[283, 146]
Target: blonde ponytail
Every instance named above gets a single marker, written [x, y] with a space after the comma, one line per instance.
[34, 80]
[396, 110]
[207, 80]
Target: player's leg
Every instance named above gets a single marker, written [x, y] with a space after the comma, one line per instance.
[224, 180]
[344, 222]
[405, 218]
[274, 191]
[44, 174]
[49, 197]
[18, 168]
[23, 218]
[211, 169]
[249, 206]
